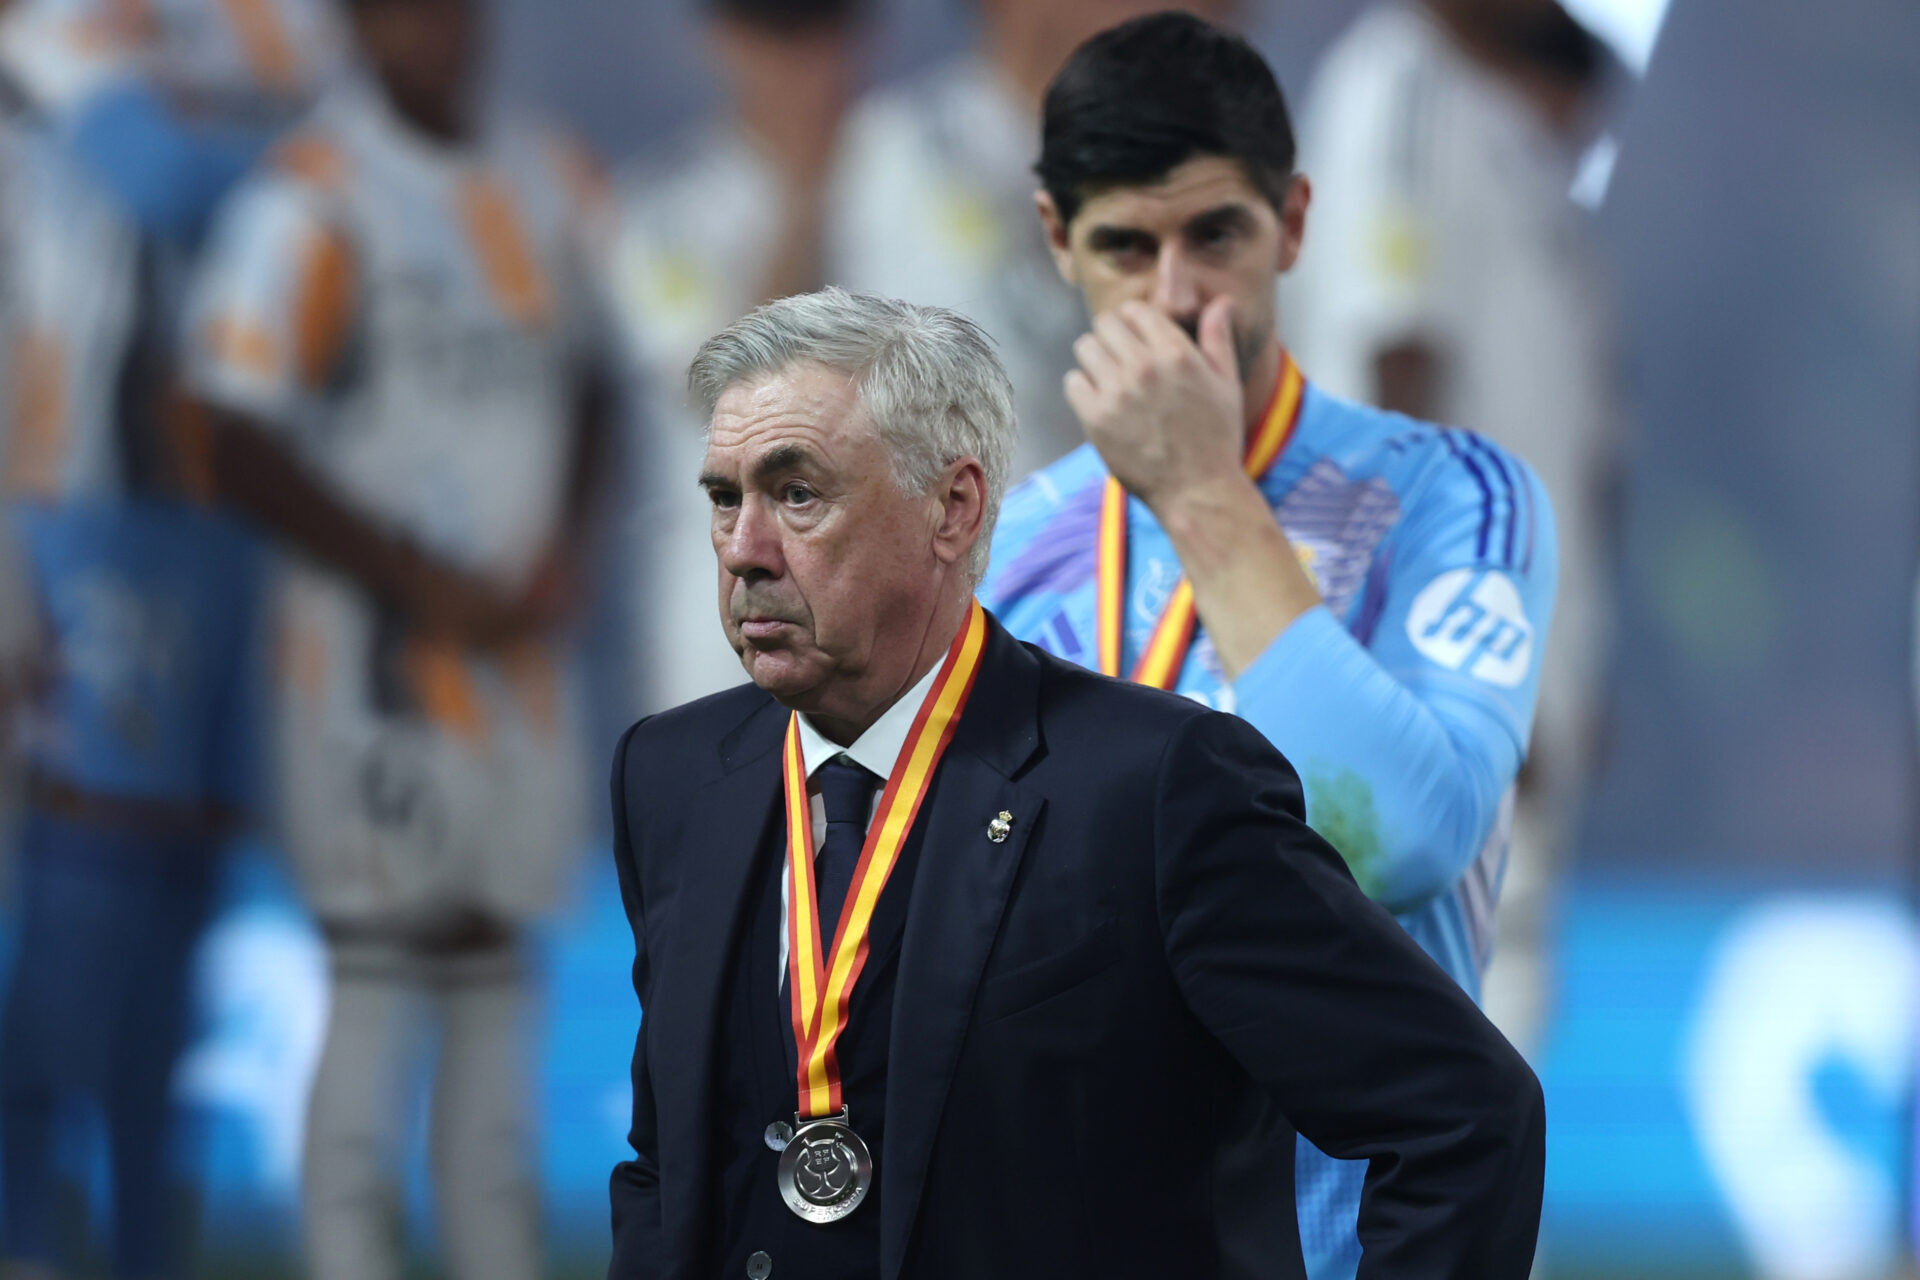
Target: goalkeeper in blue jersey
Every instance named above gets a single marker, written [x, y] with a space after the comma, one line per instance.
[1370, 591]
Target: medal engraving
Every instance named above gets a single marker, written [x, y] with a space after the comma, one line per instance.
[825, 1171]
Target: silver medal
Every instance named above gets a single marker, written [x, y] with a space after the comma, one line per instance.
[825, 1171]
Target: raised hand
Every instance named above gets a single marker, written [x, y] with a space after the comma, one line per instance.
[1167, 414]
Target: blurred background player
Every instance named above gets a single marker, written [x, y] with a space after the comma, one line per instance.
[1452, 277]
[934, 200]
[728, 217]
[138, 731]
[396, 340]
[1368, 591]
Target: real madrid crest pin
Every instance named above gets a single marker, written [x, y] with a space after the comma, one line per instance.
[997, 829]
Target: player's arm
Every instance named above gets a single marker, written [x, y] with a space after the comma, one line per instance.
[1168, 417]
[1409, 742]
[268, 333]
[1427, 753]
[255, 471]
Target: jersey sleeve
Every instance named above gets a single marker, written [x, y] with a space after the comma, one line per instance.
[1407, 740]
[273, 307]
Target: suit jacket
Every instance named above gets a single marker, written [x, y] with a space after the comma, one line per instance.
[1159, 951]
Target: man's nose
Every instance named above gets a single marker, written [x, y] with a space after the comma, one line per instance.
[751, 547]
[1176, 287]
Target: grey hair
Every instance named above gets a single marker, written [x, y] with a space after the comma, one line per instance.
[926, 376]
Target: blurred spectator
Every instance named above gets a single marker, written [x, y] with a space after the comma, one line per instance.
[731, 216]
[1450, 276]
[934, 202]
[138, 729]
[395, 335]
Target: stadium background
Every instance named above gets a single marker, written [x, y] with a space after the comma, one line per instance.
[1730, 1066]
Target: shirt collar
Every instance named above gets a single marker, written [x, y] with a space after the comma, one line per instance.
[880, 746]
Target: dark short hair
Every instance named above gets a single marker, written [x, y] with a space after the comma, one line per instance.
[788, 16]
[1138, 100]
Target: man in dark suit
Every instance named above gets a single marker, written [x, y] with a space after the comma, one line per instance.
[957, 960]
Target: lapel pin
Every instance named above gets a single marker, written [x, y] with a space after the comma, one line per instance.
[997, 829]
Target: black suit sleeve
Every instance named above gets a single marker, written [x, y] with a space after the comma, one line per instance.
[1371, 1049]
[635, 1185]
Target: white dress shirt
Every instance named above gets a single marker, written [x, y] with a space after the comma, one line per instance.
[876, 751]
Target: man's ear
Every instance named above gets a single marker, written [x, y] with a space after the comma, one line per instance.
[1293, 219]
[962, 490]
[1057, 242]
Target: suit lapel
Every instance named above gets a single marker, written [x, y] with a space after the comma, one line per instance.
[960, 893]
[733, 815]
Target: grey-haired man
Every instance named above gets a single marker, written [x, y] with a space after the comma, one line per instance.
[953, 955]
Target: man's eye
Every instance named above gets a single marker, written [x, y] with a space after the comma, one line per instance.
[1215, 237]
[725, 499]
[796, 493]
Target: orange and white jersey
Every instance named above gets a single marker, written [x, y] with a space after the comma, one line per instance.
[414, 318]
[69, 268]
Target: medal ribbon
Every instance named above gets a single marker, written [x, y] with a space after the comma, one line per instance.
[820, 979]
[1166, 652]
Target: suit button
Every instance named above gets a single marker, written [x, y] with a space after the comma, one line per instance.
[759, 1267]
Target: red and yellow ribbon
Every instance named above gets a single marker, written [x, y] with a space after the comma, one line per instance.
[820, 978]
[1166, 651]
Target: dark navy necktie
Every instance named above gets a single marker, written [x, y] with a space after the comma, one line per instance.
[846, 790]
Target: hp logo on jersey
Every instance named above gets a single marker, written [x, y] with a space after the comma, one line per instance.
[1472, 620]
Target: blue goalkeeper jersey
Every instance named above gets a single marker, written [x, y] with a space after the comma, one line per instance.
[1404, 700]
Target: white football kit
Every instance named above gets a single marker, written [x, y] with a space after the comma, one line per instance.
[415, 319]
[412, 318]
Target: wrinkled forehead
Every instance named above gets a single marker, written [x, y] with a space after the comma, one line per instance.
[803, 411]
[801, 391]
